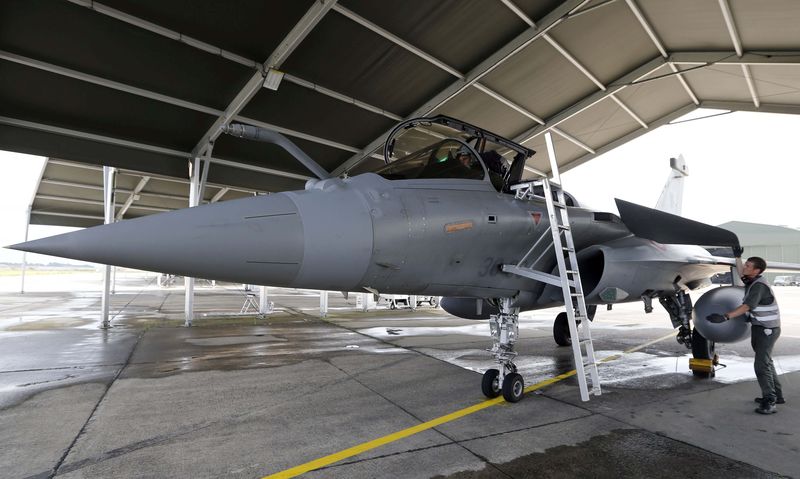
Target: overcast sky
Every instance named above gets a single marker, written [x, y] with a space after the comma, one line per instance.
[742, 166]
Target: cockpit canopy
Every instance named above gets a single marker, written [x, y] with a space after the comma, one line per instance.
[444, 159]
[443, 147]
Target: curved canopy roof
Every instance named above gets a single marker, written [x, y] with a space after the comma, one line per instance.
[144, 85]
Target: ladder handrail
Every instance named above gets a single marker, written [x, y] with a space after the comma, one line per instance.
[569, 277]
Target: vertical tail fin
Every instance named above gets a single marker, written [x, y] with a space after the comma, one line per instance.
[671, 199]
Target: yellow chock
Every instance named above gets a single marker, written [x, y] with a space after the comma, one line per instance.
[701, 365]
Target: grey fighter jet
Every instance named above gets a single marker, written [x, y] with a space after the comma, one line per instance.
[438, 218]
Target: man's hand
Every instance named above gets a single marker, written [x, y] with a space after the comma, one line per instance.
[716, 318]
[737, 251]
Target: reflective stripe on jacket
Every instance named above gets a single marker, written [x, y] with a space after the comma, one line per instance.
[766, 315]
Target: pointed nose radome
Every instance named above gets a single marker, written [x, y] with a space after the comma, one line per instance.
[252, 240]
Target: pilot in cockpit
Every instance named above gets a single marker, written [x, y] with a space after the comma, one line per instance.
[465, 157]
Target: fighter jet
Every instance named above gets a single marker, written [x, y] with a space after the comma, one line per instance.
[439, 217]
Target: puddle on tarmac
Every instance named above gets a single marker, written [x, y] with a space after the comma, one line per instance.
[231, 340]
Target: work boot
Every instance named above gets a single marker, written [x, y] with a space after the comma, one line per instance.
[767, 407]
[780, 400]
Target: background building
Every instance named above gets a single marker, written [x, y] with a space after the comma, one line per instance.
[773, 243]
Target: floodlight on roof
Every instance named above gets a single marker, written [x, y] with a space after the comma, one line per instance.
[273, 79]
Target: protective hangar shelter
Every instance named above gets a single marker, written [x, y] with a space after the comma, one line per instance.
[144, 86]
[128, 99]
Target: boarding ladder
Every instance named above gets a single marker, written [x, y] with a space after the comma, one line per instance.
[569, 278]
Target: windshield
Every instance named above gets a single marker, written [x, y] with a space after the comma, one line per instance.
[444, 159]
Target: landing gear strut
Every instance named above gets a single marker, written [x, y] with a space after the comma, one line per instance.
[679, 307]
[505, 379]
[703, 349]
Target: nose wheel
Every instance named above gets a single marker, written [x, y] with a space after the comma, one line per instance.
[511, 386]
[490, 385]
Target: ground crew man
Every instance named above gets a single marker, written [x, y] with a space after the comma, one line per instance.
[761, 308]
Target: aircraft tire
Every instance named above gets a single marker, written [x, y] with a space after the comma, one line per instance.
[561, 330]
[490, 385]
[702, 349]
[434, 303]
[392, 305]
[513, 387]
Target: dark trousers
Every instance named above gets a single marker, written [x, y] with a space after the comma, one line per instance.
[765, 369]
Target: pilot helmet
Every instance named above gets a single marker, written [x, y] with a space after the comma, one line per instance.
[463, 150]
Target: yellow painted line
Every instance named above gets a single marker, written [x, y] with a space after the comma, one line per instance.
[382, 441]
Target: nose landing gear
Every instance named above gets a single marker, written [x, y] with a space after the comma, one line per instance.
[506, 380]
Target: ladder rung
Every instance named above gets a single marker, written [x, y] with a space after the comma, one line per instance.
[589, 363]
[571, 271]
[568, 249]
[564, 227]
[576, 294]
[559, 204]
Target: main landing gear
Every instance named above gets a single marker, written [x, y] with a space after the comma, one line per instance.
[561, 326]
[505, 379]
[679, 307]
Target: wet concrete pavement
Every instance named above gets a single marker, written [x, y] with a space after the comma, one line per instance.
[238, 396]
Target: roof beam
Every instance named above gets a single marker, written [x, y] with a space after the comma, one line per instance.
[307, 23]
[516, 45]
[219, 195]
[68, 215]
[137, 146]
[123, 191]
[571, 58]
[341, 97]
[397, 40]
[660, 47]
[166, 32]
[726, 14]
[563, 51]
[748, 106]
[104, 82]
[447, 68]
[765, 58]
[592, 8]
[630, 78]
[133, 196]
[737, 45]
[630, 136]
[127, 172]
[530, 115]
[66, 199]
[214, 50]
[646, 26]
[164, 98]
[90, 136]
[751, 86]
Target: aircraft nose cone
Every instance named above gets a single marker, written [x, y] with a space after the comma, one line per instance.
[253, 240]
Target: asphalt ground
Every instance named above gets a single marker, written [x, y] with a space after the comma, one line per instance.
[363, 394]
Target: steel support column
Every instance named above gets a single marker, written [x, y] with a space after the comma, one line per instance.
[323, 304]
[194, 199]
[264, 306]
[25, 254]
[364, 301]
[108, 205]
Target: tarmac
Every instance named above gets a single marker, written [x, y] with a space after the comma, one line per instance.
[363, 394]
